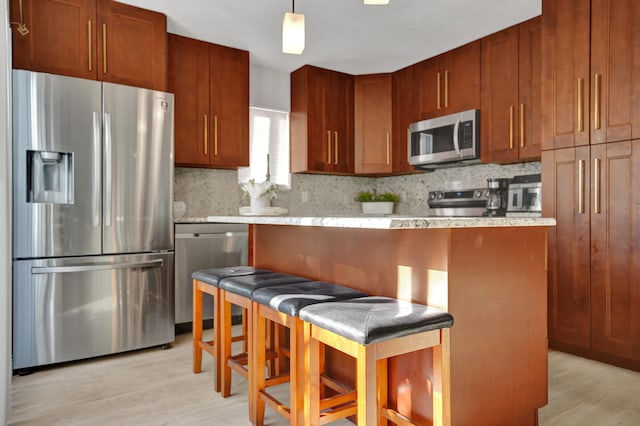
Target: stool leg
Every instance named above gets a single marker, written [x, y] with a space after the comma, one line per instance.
[225, 344]
[382, 389]
[257, 362]
[312, 378]
[442, 380]
[296, 372]
[216, 338]
[366, 369]
[197, 328]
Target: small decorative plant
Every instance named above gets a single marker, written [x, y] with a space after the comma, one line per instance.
[373, 196]
[374, 203]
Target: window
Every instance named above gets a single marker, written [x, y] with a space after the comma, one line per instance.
[268, 144]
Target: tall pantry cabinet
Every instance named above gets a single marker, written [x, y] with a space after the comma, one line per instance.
[591, 176]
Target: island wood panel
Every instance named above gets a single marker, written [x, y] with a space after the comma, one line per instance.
[492, 280]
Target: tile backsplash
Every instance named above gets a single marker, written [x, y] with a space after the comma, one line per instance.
[216, 192]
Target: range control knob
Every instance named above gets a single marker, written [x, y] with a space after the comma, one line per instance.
[440, 195]
[477, 193]
[432, 195]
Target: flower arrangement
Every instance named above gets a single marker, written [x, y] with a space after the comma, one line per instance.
[260, 193]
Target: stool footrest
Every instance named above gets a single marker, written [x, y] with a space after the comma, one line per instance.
[396, 417]
[278, 406]
[338, 413]
[209, 346]
[277, 380]
[338, 400]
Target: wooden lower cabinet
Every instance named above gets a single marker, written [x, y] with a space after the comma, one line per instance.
[594, 250]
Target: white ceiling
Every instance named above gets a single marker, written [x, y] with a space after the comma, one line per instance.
[343, 35]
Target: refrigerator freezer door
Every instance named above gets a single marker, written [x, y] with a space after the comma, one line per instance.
[75, 308]
[56, 166]
[138, 170]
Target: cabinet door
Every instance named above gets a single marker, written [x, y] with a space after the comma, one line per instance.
[529, 89]
[132, 47]
[615, 70]
[500, 103]
[462, 78]
[431, 79]
[229, 124]
[615, 249]
[338, 119]
[565, 73]
[61, 38]
[566, 178]
[373, 123]
[405, 99]
[189, 81]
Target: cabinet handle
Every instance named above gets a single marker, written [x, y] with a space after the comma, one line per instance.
[596, 106]
[336, 147]
[596, 185]
[89, 45]
[438, 90]
[510, 126]
[215, 135]
[329, 147]
[580, 121]
[446, 89]
[388, 148]
[521, 125]
[205, 141]
[581, 186]
[104, 48]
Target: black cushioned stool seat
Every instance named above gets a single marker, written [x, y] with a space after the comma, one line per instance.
[281, 304]
[373, 329]
[237, 290]
[206, 281]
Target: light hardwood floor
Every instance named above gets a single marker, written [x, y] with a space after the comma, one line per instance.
[156, 387]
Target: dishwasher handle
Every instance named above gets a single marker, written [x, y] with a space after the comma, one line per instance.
[211, 234]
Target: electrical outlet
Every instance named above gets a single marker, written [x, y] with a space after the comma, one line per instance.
[305, 196]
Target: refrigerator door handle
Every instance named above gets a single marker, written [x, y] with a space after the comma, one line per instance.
[157, 263]
[95, 201]
[107, 166]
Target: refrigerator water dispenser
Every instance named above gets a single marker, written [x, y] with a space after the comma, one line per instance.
[50, 178]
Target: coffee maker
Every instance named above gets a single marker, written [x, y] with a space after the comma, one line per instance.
[497, 200]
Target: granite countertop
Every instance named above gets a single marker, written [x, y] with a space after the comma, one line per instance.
[377, 222]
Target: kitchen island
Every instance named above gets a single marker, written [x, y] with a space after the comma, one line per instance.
[489, 273]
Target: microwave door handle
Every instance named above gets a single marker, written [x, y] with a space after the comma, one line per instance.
[456, 142]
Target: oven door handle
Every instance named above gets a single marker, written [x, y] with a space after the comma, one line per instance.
[456, 142]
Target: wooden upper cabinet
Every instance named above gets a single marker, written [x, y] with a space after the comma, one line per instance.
[94, 39]
[405, 99]
[229, 106]
[61, 38]
[565, 178]
[189, 81]
[590, 67]
[510, 95]
[211, 86]
[615, 70]
[450, 82]
[132, 46]
[321, 121]
[373, 131]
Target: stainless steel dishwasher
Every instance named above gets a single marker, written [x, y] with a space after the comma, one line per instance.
[202, 246]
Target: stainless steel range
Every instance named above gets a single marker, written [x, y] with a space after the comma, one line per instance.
[465, 202]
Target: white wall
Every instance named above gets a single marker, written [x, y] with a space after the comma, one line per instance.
[269, 88]
[5, 219]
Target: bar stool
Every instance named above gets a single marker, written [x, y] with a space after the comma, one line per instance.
[238, 291]
[281, 305]
[373, 329]
[206, 281]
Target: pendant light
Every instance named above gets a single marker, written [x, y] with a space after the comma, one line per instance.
[293, 31]
[376, 2]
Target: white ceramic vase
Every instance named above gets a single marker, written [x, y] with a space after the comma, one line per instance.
[377, 207]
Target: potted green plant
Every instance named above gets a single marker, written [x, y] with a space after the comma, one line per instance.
[374, 203]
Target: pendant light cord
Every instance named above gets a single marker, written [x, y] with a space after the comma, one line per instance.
[293, 6]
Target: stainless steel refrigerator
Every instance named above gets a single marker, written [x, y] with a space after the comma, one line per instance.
[92, 219]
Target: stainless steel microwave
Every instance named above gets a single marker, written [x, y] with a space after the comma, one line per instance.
[444, 140]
